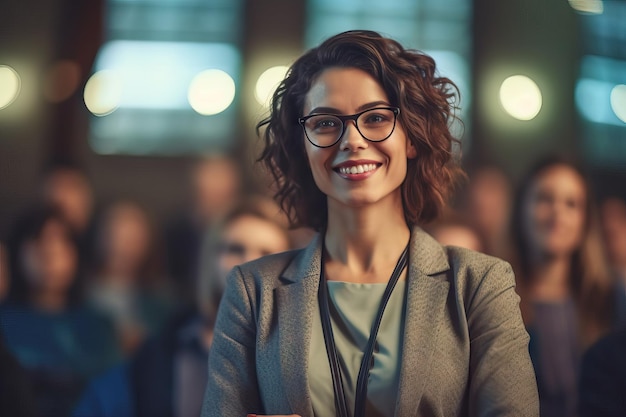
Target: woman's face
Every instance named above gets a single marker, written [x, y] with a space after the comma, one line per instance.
[346, 91]
[50, 260]
[554, 212]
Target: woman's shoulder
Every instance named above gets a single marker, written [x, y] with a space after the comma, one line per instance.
[474, 260]
[466, 268]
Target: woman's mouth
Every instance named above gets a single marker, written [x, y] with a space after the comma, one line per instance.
[357, 169]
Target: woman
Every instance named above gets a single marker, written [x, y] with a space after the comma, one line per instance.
[57, 340]
[563, 277]
[126, 284]
[370, 160]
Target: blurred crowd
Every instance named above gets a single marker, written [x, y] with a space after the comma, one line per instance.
[106, 312]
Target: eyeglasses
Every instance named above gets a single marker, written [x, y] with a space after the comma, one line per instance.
[325, 130]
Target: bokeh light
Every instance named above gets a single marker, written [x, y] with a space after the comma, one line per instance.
[521, 97]
[9, 85]
[103, 92]
[618, 101]
[267, 83]
[211, 92]
[587, 6]
[61, 81]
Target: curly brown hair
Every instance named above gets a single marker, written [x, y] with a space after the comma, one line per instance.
[409, 78]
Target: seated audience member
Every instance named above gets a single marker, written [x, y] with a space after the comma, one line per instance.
[167, 376]
[126, 284]
[603, 378]
[613, 216]
[58, 341]
[65, 185]
[563, 277]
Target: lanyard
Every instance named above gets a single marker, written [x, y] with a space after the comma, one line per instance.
[341, 406]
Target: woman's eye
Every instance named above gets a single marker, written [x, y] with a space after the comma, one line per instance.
[375, 118]
[573, 203]
[326, 124]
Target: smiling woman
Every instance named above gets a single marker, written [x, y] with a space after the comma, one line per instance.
[358, 140]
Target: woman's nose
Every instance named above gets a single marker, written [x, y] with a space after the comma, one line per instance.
[352, 139]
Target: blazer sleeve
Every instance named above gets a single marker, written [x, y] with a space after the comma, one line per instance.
[232, 381]
[502, 379]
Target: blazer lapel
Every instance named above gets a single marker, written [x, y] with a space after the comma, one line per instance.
[426, 301]
[296, 302]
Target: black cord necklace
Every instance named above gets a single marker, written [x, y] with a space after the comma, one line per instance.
[341, 405]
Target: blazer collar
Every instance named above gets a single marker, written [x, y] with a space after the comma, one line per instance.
[297, 302]
[426, 255]
[308, 262]
[427, 293]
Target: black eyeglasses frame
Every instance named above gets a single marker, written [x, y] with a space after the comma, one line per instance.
[344, 118]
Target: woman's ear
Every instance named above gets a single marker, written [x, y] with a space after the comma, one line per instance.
[411, 151]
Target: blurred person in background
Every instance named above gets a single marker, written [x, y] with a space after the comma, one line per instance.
[487, 206]
[563, 277]
[216, 183]
[168, 374]
[57, 339]
[126, 284]
[613, 217]
[66, 186]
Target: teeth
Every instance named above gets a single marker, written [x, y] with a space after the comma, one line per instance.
[357, 169]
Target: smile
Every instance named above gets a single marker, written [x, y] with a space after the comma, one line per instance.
[357, 169]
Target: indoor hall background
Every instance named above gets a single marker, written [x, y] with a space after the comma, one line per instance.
[544, 40]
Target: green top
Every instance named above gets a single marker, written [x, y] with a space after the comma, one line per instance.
[353, 308]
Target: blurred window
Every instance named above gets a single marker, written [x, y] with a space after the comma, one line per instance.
[167, 79]
[600, 92]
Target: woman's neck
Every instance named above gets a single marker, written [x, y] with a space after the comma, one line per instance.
[550, 279]
[364, 245]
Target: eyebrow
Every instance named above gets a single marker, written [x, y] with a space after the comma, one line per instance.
[362, 107]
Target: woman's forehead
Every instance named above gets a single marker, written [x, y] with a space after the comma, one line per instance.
[343, 89]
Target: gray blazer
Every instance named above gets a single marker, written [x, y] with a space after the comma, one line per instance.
[464, 352]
